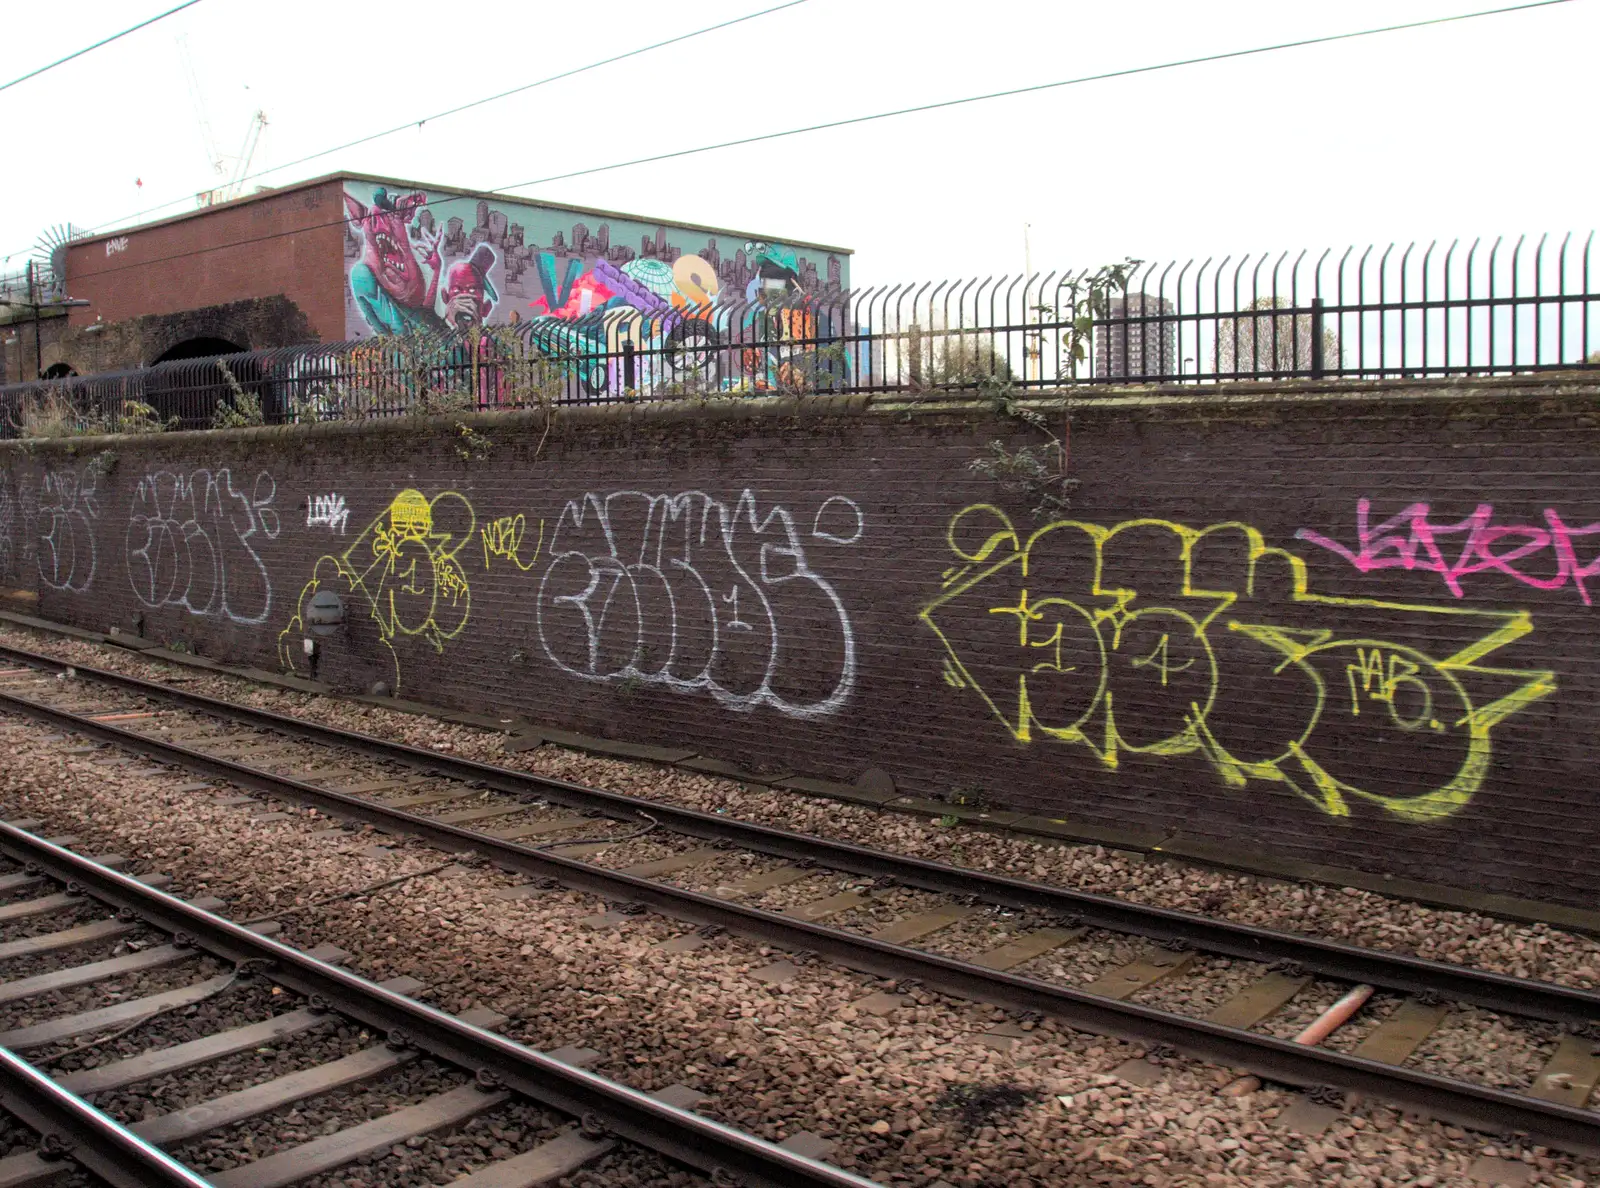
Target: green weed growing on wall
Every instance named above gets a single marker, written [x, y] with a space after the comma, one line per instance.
[54, 415]
[240, 409]
[1037, 473]
[469, 444]
[1088, 296]
[134, 416]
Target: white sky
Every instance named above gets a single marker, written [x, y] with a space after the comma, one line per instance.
[1482, 127]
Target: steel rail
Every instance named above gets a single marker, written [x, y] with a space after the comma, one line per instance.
[499, 1062]
[72, 1128]
[1466, 1104]
[1396, 972]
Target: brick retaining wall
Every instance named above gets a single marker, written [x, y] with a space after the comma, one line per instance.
[1343, 623]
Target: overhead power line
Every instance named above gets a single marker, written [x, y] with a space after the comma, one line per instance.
[1218, 57]
[103, 41]
[1066, 82]
[439, 115]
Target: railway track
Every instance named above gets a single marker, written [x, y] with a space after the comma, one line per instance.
[972, 934]
[479, 1074]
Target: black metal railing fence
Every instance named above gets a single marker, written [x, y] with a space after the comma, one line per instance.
[1439, 310]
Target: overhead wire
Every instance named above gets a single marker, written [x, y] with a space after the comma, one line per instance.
[160, 16]
[1068, 82]
[439, 115]
[947, 103]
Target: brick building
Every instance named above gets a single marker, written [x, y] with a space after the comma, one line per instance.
[348, 255]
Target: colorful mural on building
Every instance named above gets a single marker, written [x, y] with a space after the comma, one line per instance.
[432, 261]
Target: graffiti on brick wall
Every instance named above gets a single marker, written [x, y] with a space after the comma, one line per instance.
[327, 511]
[64, 520]
[1154, 638]
[1542, 556]
[696, 595]
[434, 262]
[504, 538]
[403, 568]
[396, 282]
[10, 514]
[838, 521]
[419, 260]
[192, 539]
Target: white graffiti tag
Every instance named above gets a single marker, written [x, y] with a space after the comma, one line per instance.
[64, 525]
[687, 592]
[839, 521]
[191, 543]
[8, 528]
[327, 511]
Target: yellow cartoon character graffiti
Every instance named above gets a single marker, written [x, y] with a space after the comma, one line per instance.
[404, 568]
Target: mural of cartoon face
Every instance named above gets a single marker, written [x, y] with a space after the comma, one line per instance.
[393, 287]
[387, 249]
[469, 295]
[775, 266]
[410, 516]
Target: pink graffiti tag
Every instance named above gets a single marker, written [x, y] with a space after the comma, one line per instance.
[1411, 541]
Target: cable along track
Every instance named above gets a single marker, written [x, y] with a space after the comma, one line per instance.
[492, 1072]
[1553, 1112]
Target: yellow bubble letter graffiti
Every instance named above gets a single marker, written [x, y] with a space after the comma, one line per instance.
[1151, 637]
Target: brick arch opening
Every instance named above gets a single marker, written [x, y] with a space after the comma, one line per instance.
[59, 371]
[199, 348]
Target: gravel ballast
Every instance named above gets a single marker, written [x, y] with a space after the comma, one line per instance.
[1344, 914]
[910, 1097]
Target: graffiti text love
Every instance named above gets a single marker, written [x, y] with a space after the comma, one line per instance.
[1545, 557]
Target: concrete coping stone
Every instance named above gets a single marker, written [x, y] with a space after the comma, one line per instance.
[1432, 894]
[284, 680]
[1247, 396]
[1081, 831]
[560, 420]
[721, 767]
[818, 787]
[612, 746]
[423, 710]
[968, 813]
[1242, 398]
[134, 643]
[187, 658]
[47, 625]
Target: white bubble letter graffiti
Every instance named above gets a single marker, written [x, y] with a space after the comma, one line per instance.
[687, 592]
[189, 544]
[65, 528]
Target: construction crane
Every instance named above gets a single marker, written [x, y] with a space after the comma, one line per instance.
[218, 160]
[208, 140]
[247, 153]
